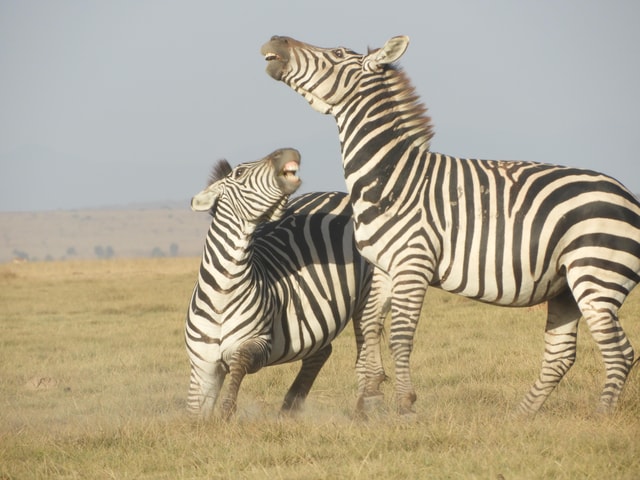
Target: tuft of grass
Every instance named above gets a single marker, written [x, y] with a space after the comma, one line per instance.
[94, 374]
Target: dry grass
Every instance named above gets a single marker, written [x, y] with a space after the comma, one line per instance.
[93, 377]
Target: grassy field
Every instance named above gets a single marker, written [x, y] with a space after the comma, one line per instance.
[93, 378]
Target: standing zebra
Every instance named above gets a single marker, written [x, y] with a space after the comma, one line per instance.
[505, 233]
[277, 283]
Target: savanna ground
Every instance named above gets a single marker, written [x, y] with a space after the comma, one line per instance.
[93, 377]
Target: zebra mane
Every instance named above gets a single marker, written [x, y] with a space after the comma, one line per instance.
[413, 108]
[220, 170]
[416, 110]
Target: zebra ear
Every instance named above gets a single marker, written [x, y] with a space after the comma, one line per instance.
[391, 51]
[206, 199]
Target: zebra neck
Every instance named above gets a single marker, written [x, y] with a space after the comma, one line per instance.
[386, 117]
[226, 260]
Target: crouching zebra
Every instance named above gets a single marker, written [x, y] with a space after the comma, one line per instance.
[505, 233]
[278, 281]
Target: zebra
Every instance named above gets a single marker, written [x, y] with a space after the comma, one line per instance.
[277, 283]
[501, 232]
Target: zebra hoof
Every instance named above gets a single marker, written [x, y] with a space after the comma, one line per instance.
[519, 415]
[409, 417]
[372, 402]
[526, 410]
[405, 404]
[406, 412]
[369, 402]
[604, 410]
[228, 410]
[290, 412]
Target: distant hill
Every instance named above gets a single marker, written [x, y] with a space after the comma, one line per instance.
[139, 230]
[132, 231]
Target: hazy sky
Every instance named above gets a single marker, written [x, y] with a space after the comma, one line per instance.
[113, 102]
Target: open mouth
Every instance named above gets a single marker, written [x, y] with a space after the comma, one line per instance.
[290, 172]
[272, 56]
[276, 53]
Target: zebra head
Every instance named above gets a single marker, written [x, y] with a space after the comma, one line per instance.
[255, 191]
[327, 77]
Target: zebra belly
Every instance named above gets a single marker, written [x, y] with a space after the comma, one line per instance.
[474, 274]
[504, 276]
[512, 292]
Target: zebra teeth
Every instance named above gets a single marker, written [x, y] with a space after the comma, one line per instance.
[290, 170]
[272, 56]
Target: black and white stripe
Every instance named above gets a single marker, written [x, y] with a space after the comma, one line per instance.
[278, 281]
[506, 233]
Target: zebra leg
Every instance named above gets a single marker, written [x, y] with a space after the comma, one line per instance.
[204, 387]
[406, 307]
[299, 390]
[616, 351]
[560, 339]
[369, 366]
[250, 357]
[361, 359]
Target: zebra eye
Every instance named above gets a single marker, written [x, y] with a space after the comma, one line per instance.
[338, 52]
[239, 172]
